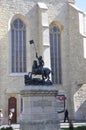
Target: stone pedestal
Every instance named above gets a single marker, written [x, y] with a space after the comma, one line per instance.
[39, 108]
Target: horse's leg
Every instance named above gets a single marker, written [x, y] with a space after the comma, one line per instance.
[43, 76]
[48, 77]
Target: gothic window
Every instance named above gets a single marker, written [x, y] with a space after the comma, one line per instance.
[18, 46]
[55, 52]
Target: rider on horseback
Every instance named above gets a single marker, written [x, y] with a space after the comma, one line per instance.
[40, 62]
[38, 69]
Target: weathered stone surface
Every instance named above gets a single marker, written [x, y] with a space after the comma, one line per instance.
[39, 108]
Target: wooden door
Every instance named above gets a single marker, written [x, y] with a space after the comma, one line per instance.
[12, 106]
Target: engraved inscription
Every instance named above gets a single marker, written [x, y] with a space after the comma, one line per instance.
[42, 103]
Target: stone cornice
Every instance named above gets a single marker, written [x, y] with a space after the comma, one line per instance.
[39, 91]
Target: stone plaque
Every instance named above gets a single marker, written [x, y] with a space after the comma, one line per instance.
[42, 103]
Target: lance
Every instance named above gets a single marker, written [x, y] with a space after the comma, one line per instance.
[32, 42]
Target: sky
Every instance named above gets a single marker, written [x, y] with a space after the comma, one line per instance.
[81, 4]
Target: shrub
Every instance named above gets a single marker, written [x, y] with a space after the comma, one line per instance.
[76, 128]
[6, 128]
[81, 128]
[2, 128]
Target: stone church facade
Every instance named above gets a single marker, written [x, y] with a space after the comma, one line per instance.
[58, 30]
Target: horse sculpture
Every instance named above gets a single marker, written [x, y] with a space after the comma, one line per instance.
[38, 69]
[44, 71]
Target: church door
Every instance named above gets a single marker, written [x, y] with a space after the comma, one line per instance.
[12, 106]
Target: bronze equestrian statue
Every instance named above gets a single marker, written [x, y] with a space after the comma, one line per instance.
[38, 69]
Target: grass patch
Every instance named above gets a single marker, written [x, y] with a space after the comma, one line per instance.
[76, 128]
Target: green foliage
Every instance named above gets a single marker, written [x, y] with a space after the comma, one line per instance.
[2, 128]
[6, 128]
[76, 128]
[81, 128]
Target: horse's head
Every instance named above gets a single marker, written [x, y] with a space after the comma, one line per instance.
[35, 64]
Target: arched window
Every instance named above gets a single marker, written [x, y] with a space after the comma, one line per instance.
[55, 52]
[18, 46]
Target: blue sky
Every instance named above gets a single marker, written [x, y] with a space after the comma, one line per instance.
[81, 4]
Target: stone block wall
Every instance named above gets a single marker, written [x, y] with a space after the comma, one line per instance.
[38, 18]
